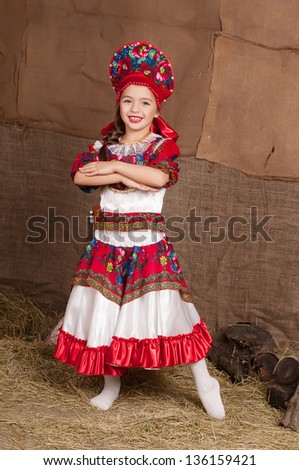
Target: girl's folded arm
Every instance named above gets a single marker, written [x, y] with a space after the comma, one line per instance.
[142, 174]
[81, 179]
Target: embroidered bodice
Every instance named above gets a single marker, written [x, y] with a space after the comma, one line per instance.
[153, 151]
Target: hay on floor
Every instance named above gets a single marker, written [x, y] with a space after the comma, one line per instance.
[45, 404]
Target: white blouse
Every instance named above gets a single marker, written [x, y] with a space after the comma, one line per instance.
[130, 201]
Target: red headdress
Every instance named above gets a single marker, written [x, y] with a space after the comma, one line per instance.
[141, 63]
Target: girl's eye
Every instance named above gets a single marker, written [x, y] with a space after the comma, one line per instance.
[146, 103]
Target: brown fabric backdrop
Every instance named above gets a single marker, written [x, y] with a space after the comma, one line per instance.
[272, 23]
[12, 26]
[61, 57]
[252, 117]
[252, 114]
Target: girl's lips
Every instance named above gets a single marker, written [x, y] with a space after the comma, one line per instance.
[135, 119]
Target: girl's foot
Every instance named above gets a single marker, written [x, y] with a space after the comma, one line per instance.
[211, 399]
[109, 394]
[208, 390]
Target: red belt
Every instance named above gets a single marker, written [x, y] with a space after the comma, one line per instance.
[129, 221]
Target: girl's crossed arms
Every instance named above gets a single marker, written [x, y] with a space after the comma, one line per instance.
[134, 176]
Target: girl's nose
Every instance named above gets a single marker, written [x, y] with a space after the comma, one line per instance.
[135, 106]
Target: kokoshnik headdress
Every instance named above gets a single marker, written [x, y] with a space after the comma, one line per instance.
[141, 63]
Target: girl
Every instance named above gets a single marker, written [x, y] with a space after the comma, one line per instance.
[129, 305]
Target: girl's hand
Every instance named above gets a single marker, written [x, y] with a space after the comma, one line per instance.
[133, 184]
[98, 168]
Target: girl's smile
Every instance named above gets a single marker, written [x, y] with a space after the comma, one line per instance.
[135, 119]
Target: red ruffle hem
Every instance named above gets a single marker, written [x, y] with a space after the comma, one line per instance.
[124, 353]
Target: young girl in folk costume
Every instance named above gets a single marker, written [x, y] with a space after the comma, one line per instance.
[129, 305]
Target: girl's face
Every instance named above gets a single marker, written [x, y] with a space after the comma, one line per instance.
[138, 108]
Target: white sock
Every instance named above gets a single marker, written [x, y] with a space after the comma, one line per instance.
[109, 394]
[208, 389]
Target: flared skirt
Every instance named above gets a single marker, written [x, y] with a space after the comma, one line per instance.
[130, 307]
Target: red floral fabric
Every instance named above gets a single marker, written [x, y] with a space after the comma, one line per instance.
[124, 274]
[81, 160]
[164, 157]
[161, 153]
[141, 63]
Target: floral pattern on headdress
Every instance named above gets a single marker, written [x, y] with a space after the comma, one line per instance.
[142, 63]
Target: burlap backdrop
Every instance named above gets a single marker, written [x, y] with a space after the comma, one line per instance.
[253, 113]
[56, 73]
[55, 95]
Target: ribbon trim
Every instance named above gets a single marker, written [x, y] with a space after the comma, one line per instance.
[152, 353]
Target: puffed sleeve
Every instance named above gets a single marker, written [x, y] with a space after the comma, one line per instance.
[164, 156]
[81, 160]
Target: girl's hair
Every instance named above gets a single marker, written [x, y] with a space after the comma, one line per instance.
[113, 136]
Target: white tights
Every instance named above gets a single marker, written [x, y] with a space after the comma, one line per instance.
[207, 387]
[109, 394]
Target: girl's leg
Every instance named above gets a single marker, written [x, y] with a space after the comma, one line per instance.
[109, 394]
[208, 389]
